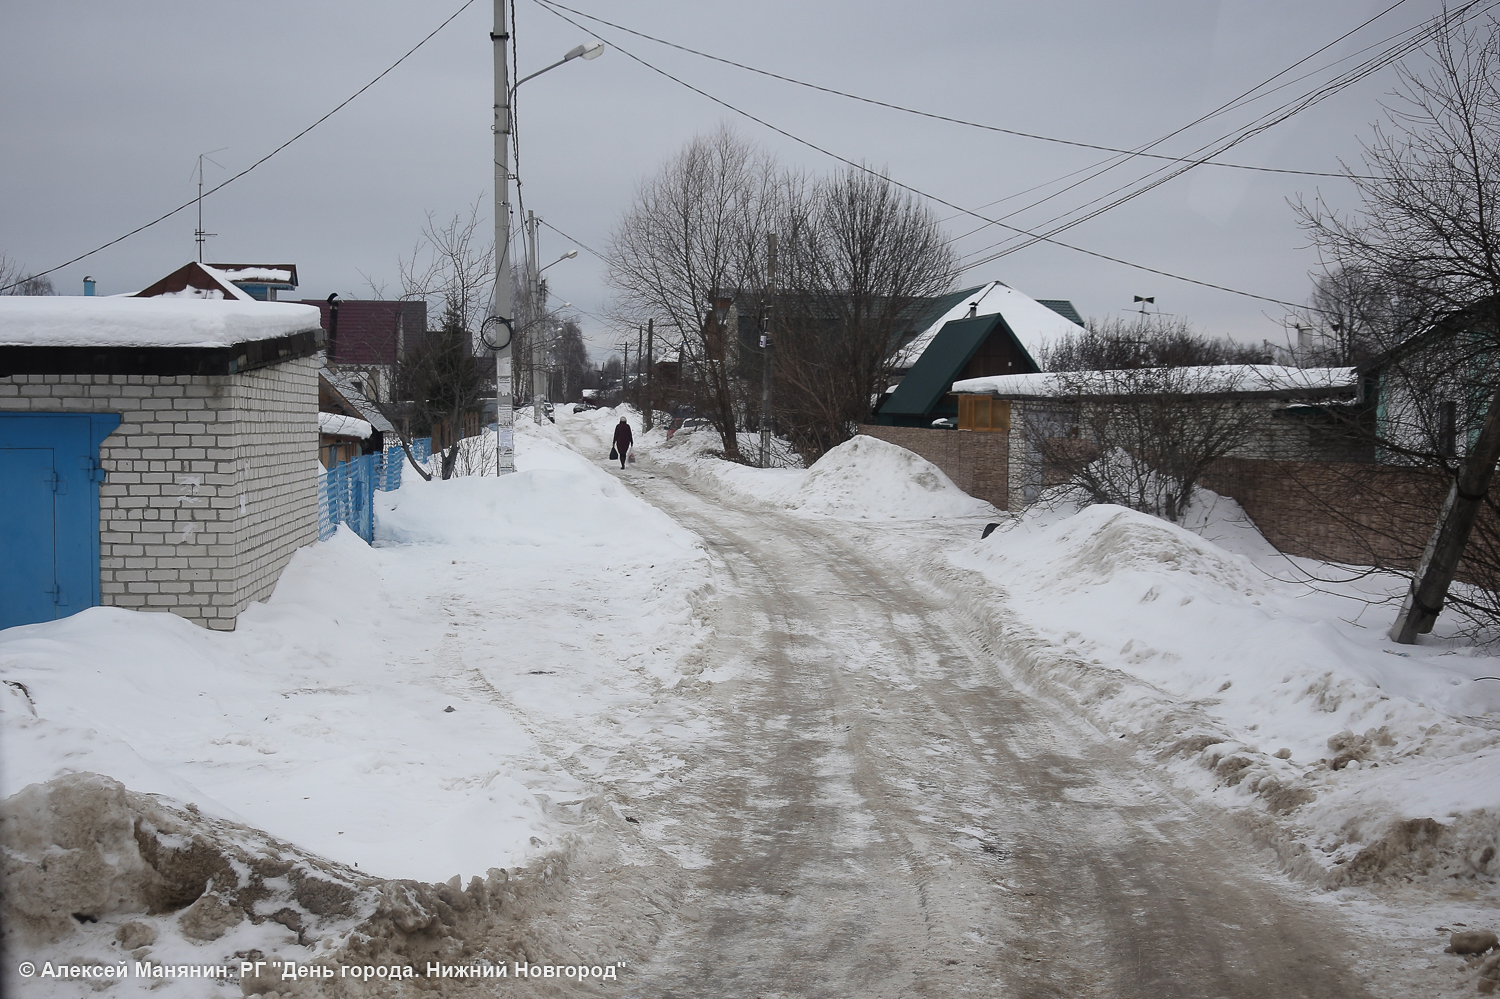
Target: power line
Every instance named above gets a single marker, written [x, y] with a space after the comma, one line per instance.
[252, 166]
[961, 121]
[580, 242]
[1266, 121]
[923, 194]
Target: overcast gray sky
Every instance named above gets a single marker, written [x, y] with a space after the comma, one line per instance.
[108, 105]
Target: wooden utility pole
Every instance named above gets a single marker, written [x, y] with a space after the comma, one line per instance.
[768, 309]
[1429, 587]
[650, 401]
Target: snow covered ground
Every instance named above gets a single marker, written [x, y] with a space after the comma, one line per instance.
[1270, 679]
[402, 708]
[451, 700]
[1272, 675]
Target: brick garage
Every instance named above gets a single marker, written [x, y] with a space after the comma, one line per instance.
[209, 482]
[978, 463]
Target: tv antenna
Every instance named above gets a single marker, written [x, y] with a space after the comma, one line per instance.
[198, 234]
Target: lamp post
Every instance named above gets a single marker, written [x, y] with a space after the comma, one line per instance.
[538, 295]
[501, 322]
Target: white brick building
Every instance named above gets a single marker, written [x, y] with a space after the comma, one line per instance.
[204, 489]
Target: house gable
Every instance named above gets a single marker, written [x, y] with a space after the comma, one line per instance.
[982, 344]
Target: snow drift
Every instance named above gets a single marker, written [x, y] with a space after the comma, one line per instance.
[1203, 656]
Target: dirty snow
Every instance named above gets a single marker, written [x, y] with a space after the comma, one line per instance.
[1233, 660]
[323, 719]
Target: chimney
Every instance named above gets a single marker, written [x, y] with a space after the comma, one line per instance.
[333, 328]
[973, 308]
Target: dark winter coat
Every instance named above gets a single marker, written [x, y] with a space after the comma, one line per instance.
[623, 437]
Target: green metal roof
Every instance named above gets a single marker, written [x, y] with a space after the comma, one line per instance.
[929, 379]
[1063, 308]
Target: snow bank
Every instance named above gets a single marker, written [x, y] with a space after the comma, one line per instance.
[59, 321]
[395, 706]
[870, 479]
[1288, 693]
[97, 875]
[862, 479]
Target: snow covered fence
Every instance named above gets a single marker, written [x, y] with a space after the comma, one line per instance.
[346, 493]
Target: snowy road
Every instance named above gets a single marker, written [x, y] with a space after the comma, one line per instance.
[882, 814]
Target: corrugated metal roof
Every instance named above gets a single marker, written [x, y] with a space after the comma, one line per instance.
[945, 356]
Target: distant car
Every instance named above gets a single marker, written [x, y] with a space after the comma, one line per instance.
[945, 423]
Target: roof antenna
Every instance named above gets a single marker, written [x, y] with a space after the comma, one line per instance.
[198, 234]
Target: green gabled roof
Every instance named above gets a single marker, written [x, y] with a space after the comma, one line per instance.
[929, 379]
[1063, 308]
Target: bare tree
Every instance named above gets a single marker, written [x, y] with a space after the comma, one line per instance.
[685, 249]
[1427, 232]
[1142, 412]
[435, 383]
[1120, 344]
[856, 254]
[442, 386]
[16, 280]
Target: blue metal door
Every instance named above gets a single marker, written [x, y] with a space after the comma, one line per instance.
[28, 541]
[49, 514]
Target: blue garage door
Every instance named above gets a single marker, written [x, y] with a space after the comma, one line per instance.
[49, 514]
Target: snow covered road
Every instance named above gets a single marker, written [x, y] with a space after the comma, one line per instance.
[880, 813]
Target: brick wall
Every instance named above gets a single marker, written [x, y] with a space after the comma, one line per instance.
[978, 463]
[1359, 513]
[211, 481]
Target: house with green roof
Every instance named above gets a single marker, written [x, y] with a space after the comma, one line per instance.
[991, 329]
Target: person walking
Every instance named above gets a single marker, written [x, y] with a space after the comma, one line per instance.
[623, 440]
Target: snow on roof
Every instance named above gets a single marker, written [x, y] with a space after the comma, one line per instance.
[354, 395]
[57, 321]
[1226, 378]
[256, 273]
[194, 280]
[338, 425]
[1032, 322]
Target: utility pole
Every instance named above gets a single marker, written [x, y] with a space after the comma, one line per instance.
[625, 372]
[534, 324]
[767, 311]
[640, 339]
[650, 402]
[505, 452]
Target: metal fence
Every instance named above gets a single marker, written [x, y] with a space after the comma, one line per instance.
[346, 493]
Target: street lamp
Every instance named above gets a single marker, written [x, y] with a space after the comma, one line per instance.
[502, 310]
[589, 50]
[537, 293]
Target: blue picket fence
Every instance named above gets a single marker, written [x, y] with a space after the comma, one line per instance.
[346, 492]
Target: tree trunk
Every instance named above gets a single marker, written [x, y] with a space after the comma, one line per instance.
[1429, 587]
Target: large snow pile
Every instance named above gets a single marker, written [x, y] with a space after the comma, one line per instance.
[430, 706]
[864, 478]
[869, 479]
[1287, 692]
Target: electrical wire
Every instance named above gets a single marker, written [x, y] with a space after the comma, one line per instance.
[1266, 121]
[974, 124]
[188, 204]
[923, 194]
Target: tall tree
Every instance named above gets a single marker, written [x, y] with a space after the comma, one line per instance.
[1427, 229]
[856, 253]
[683, 251]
